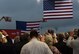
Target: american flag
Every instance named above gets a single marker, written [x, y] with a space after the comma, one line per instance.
[27, 26]
[58, 9]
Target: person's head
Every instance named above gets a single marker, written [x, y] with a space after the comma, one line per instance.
[60, 37]
[34, 33]
[25, 37]
[75, 31]
[2, 38]
[66, 35]
[71, 33]
[51, 31]
[17, 39]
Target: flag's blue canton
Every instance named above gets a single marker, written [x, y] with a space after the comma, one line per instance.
[21, 25]
[48, 4]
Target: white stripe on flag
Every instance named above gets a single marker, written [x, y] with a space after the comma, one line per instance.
[64, 7]
[58, 16]
[57, 10]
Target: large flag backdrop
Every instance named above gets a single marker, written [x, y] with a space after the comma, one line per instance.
[57, 14]
[57, 9]
[28, 26]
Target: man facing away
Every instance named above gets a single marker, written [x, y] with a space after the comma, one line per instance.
[35, 46]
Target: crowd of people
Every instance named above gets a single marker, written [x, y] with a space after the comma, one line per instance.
[35, 43]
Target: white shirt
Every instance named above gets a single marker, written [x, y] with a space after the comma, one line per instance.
[74, 44]
[35, 47]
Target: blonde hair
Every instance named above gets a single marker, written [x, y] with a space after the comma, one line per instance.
[2, 38]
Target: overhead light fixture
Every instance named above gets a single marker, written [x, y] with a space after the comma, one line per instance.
[38, 1]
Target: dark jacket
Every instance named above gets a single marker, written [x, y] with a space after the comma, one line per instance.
[2, 48]
[63, 48]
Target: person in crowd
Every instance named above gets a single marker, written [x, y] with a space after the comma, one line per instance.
[66, 34]
[53, 34]
[42, 38]
[71, 34]
[35, 46]
[2, 46]
[5, 48]
[74, 43]
[23, 40]
[49, 42]
[16, 39]
[61, 45]
[9, 41]
[75, 33]
[4, 40]
[48, 39]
